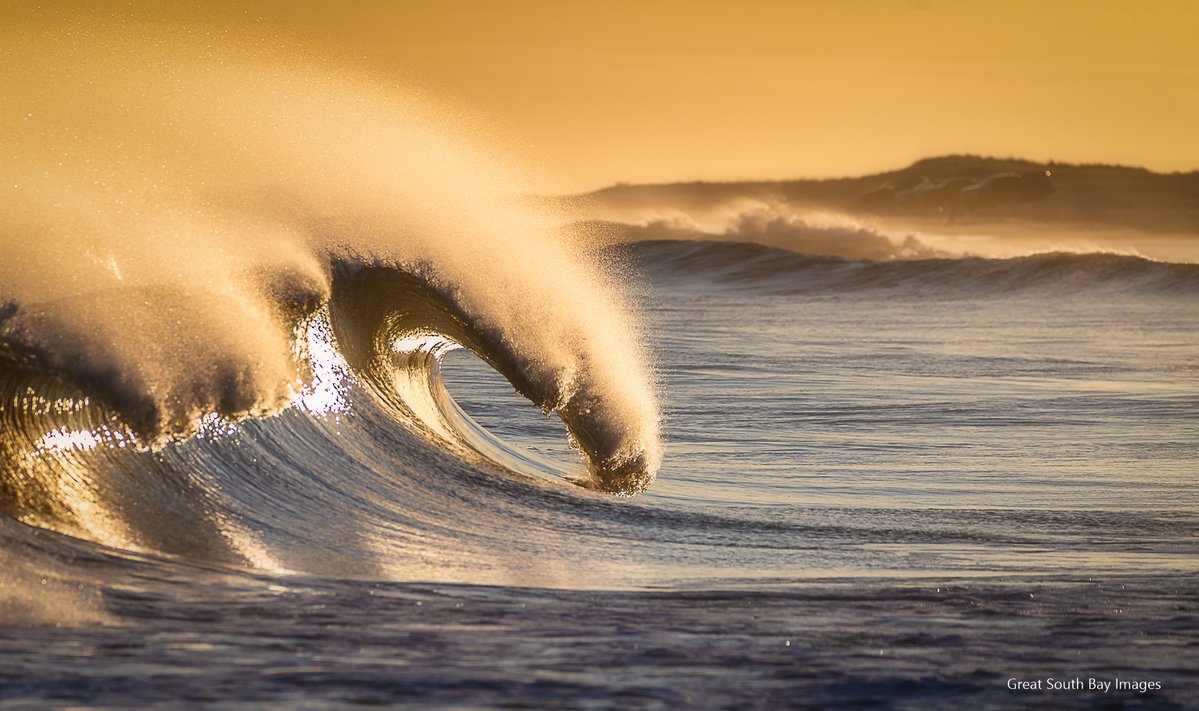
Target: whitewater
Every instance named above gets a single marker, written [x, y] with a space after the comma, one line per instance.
[304, 404]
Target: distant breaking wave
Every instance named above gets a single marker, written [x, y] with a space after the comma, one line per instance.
[768, 269]
[819, 233]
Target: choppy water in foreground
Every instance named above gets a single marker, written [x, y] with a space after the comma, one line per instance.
[895, 484]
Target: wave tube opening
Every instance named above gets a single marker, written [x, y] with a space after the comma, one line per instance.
[515, 432]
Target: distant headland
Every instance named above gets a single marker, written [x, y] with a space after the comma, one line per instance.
[960, 188]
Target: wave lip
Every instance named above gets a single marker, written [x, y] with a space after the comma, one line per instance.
[375, 310]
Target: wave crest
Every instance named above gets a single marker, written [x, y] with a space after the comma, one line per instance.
[768, 269]
[376, 310]
[813, 232]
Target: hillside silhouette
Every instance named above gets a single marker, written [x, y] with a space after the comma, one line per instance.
[948, 188]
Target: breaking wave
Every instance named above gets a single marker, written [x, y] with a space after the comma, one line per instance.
[226, 272]
[819, 233]
[761, 268]
[230, 279]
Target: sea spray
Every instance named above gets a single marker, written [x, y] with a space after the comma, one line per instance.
[171, 209]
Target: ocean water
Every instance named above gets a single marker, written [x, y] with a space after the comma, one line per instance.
[301, 408]
[895, 484]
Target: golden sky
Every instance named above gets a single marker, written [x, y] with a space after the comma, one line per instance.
[591, 94]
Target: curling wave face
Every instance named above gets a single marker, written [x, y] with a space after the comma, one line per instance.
[174, 223]
[373, 471]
